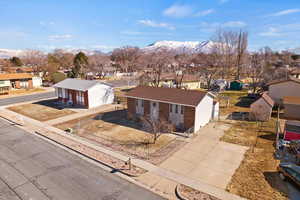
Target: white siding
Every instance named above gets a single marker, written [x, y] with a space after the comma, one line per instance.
[99, 95]
[203, 112]
[154, 110]
[216, 110]
[176, 118]
[37, 82]
[280, 90]
[139, 107]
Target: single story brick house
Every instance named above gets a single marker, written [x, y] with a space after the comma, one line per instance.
[188, 109]
[261, 109]
[84, 93]
[279, 89]
[16, 80]
[291, 107]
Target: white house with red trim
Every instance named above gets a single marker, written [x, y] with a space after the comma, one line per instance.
[84, 93]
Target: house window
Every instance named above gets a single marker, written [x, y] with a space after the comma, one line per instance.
[181, 110]
[1, 82]
[171, 106]
[137, 103]
[142, 103]
[80, 97]
[176, 108]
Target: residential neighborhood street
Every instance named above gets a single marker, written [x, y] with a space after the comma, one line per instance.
[31, 168]
[20, 99]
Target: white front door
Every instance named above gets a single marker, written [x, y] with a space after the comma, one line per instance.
[139, 107]
[154, 110]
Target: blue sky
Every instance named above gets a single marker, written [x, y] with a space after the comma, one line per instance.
[102, 24]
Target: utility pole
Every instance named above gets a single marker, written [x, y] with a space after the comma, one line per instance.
[277, 127]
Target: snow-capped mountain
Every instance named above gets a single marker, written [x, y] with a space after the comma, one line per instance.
[295, 51]
[182, 47]
[7, 53]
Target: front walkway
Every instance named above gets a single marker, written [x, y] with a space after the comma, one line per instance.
[82, 113]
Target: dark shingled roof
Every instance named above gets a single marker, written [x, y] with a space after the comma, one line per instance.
[169, 95]
[296, 80]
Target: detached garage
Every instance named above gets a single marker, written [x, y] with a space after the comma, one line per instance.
[84, 93]
[291, 107]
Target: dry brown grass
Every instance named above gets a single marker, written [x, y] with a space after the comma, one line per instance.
[119, 136]
[40, 112]
[256, 177]
[236, 103]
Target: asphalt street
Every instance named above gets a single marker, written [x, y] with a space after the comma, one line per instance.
[32, 168]
[20, 99]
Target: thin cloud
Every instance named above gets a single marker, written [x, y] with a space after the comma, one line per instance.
[272, 32]
[285, 12]
[178, 11]
[154, 24]
[234, 24]
[60, 37]
[223, 1]
[204, 13]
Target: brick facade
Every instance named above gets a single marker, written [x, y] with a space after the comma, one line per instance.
[164, 110]
[131, 107]
[86, 99]
[30, 84]
[189, 117]
[146, 107]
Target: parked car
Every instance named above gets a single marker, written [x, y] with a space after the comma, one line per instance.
[289, 171]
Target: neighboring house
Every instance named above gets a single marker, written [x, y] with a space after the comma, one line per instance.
[261, 109]
[4, 86]
[188, 81]
[292, 130]
[291, 107]
[186, 109]
[24, 69]
[84, 93]
[122, 83]
[296, 73]
[281, 88]
[17, 80]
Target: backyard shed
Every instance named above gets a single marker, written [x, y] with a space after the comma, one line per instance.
[84, 93]
[279, 89]
[185, 109]
[261, 109]
[236, 85]
[291, 107]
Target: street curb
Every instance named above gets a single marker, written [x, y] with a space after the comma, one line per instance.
[113, 170]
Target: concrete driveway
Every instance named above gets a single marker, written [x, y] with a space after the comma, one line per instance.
[206, 158]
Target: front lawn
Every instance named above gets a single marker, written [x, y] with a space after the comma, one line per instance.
[42, 111]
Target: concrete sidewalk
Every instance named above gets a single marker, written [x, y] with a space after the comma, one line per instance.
[91, 150]
[82, 113]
